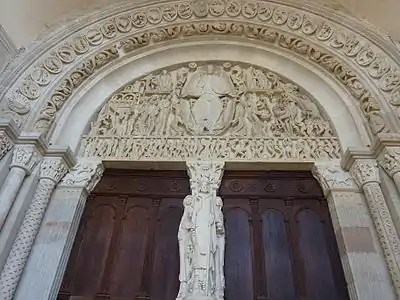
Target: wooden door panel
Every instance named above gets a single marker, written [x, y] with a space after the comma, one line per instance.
[279, 239]
[319, 278]
[130, 254]
[93, 250]
[165, 279]
[278, 258]
[238, 255]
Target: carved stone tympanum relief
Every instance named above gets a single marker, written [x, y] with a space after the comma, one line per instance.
[217, 110]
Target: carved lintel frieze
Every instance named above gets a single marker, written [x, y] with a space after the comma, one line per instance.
[53, 168]
[201, 235]
[332, 177]
[25, 157]
[365, 171]
[85, 174]
[230, 148]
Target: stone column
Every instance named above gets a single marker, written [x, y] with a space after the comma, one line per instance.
[8, 135]
[51, 171]
[201, 235]
[363, 263]
[25, 158]
[366, 174]
[46, 265]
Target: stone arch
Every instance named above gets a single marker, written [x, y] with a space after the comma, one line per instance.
[352, 72]
[362, 63]
[333, 101]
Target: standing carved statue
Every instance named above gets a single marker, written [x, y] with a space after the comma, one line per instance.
[185, 238]
[220, 250]
[201, 240]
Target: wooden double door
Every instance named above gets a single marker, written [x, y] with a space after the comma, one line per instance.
[280, 243]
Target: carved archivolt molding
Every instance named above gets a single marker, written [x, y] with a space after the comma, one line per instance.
[225, 111]
[339, 52]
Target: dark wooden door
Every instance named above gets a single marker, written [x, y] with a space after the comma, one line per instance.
[279, 239]
[280, 243]
[126, 247]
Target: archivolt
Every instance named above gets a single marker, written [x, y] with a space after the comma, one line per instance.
[362, 67]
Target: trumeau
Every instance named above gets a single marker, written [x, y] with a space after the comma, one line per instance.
[363, 67]
[219, 110]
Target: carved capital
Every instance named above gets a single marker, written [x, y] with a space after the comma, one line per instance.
[365, 171]
[53, 168]
[25, 157]
[85, 174]
[333, 177]
[205, 175]
[390, 161]
[5, 144]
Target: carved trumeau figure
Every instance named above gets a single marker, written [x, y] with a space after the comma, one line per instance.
[202, 236]
[205, 103]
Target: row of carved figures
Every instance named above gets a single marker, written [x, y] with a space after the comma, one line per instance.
[250, 114]
[211, 100]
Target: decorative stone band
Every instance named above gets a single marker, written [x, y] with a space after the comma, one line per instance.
[225, 148]
[85, 174]
[332, 177]
[366, 174]
[363, 96]
[51, 171]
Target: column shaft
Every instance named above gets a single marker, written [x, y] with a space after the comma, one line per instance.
[366, 174]
[9, 191]
[363, 263]
[25, 158]
[386, 230]
[51, 172]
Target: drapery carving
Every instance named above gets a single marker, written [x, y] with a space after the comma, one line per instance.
[207, 101]
[201, 235]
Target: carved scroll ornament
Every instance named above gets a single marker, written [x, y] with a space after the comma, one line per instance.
[213, 110]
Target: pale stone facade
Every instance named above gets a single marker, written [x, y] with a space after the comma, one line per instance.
[213, 85]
